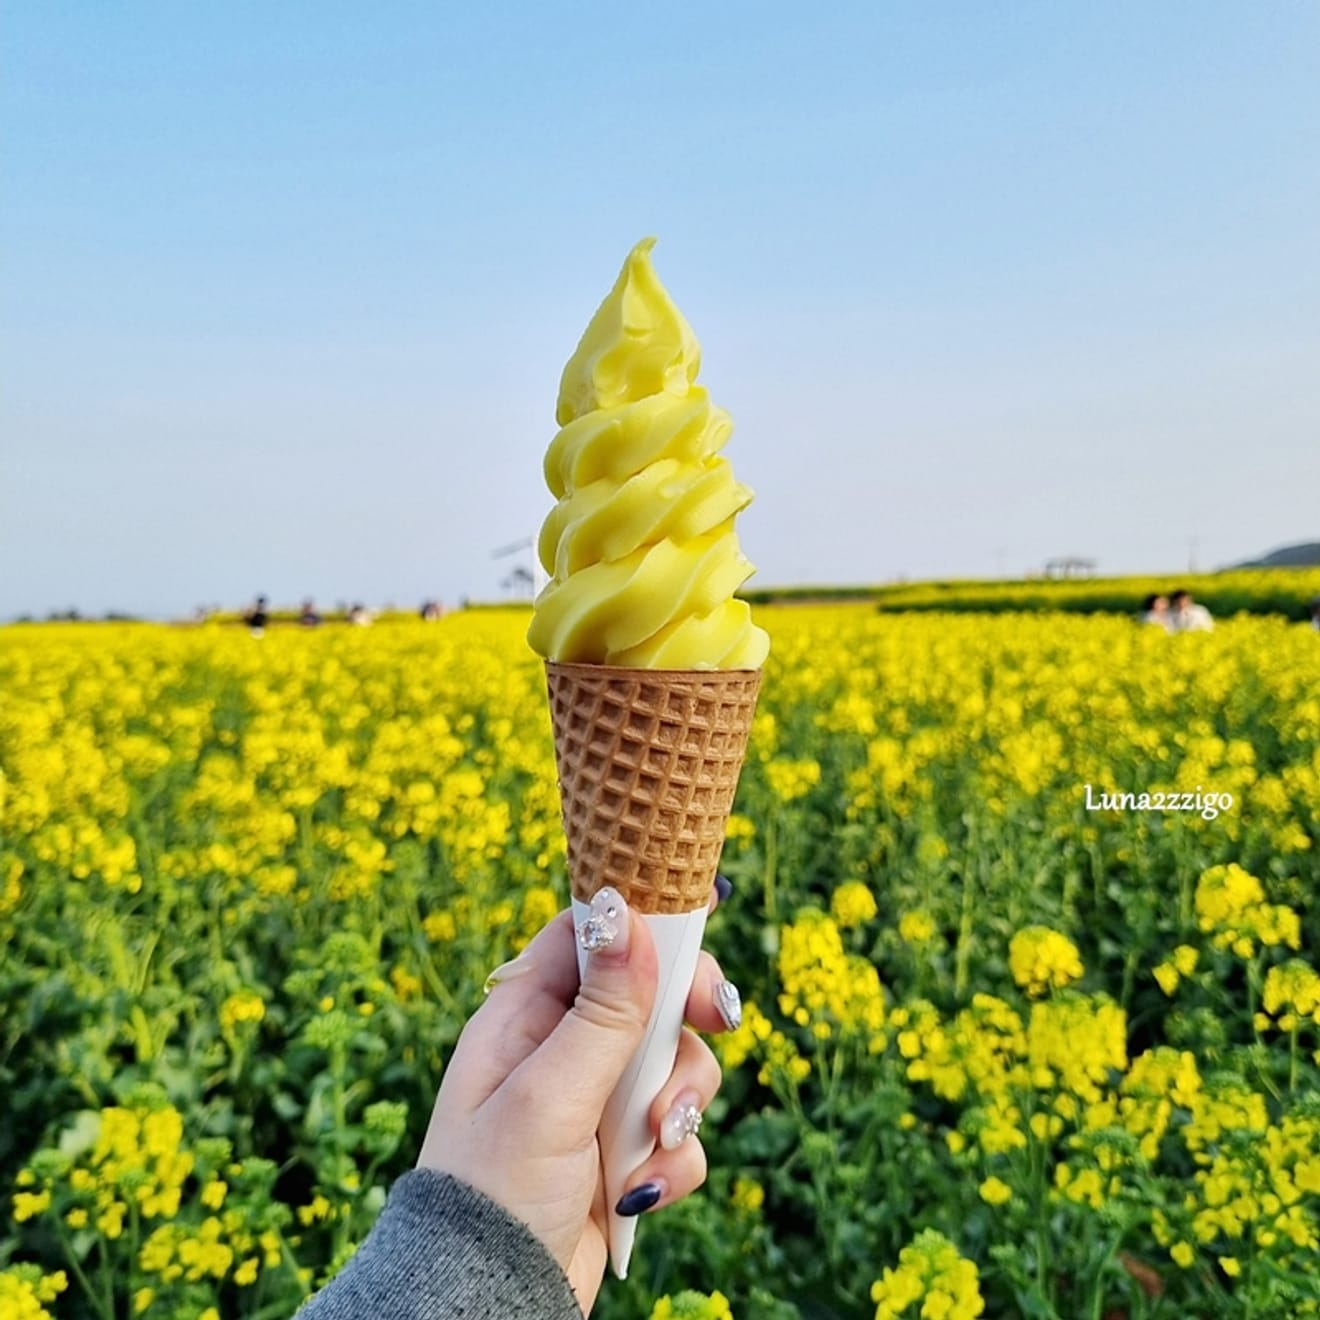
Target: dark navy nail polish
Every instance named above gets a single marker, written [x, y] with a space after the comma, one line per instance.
[723, 887]
[639, 1199]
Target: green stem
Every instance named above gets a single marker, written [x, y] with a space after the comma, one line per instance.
[963, 953]
[338, 1065]
[1129, 975]
[1098, 1301]
[771, 862]
[107, 1278]
[93, 1296]
[1044, 1258]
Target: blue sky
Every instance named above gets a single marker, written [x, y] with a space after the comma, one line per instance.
[286, 290]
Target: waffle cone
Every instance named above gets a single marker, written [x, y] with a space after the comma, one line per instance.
[648, 765]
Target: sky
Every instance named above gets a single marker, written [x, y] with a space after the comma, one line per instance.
[285, 290]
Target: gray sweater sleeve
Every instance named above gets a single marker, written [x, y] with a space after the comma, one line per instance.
[440, 1251]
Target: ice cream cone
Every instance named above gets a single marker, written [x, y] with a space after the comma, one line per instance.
[648, 766]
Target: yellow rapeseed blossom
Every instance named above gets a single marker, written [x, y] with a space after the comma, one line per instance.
[1292, 993]
[1230, 904]
[1181, 964]
[852, 904]
[916, 927]
[395, 788]
[826, 989]
[245, 1007]
[790, 780]
[1042, 959]
[25, 1291]
[28, 1205]
[747, 1194]
[690, 1305]
[930, 1272]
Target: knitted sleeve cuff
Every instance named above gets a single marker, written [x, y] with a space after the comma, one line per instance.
[441, 1251]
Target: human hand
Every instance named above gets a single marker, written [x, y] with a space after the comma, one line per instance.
[523, 1093]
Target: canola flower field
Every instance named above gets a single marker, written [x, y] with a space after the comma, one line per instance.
[1002, 1054]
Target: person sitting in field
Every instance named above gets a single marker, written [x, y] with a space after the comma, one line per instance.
[1155, 609]
[1186, 615]
[257, 617]
[310, 616]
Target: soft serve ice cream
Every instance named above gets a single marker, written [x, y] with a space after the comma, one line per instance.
[652, 667]
[641, 549]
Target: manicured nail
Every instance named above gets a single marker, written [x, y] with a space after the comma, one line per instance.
[723, 887]
[682, 1121]
[607, 926]
[728, 1002]
[518, 966]
[639, 1199]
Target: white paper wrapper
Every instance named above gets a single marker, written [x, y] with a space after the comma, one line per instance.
[626, 1141]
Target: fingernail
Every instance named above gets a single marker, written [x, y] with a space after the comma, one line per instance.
[682, 1121]
[728, 1003]
[723, 887]
[639, 1199]
[607, 926]
[506, 972]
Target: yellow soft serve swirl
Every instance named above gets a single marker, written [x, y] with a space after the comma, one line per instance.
[641, 549]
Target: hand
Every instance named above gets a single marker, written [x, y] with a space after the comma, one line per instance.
[522, 1097]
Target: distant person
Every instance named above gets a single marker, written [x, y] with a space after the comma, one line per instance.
[359, 615]
[1155, 609]
[431, 611]
[1185, 615]
[257, 617]
[1315, 614]
[310, 617]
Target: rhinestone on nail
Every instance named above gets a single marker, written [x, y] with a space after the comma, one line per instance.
[597, 932]
[692, 1117]
[682, 1122]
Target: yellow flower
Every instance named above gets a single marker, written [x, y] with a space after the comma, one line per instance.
[930, 1271]
[995, 1192]
[246, 1007]
[440, 927]
[916, 927]
[852, 904]
[1231, 1266]
[790, 779]
[826, 988]
[24, 1291]
[27, 1205]
[1167, 975]
[1042, 959]
[1183, 1255]
[690, 1305]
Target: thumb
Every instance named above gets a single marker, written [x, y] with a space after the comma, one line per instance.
[586, 1053]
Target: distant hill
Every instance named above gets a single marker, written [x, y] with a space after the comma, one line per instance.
[1305, 555]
